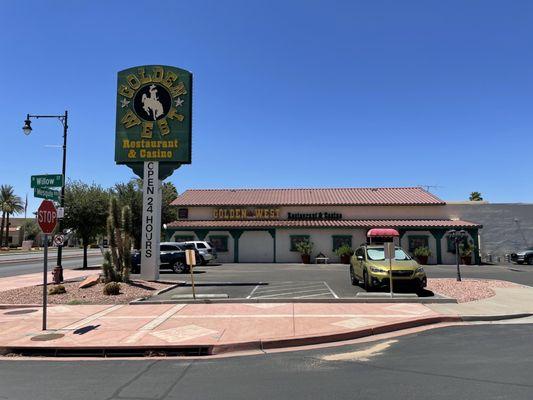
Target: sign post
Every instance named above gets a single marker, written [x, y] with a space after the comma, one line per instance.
[389, 255]
[47, 220]
[153, 138]
[190, 259]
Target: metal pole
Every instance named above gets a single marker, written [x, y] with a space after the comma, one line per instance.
[390, 272]
[62, 199]
[45, 279]
[457, 259]
[191, 267]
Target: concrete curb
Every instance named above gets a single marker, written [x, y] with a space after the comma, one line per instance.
[420, 300]
[65, 257]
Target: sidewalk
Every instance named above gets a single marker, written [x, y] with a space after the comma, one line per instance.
[216, 327]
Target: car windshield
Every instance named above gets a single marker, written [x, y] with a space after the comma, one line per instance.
[378, 254]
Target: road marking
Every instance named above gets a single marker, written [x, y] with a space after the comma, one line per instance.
[361, 355]
[332, 292]
[292, 288]
[311, 295]
[289, 293]
[252, 292]
[91, 318]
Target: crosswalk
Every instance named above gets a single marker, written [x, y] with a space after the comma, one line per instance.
[293, 290]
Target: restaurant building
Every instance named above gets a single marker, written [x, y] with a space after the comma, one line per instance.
[264, 225]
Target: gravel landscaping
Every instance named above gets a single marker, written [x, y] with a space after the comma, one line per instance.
[74, 295]
[468, 289]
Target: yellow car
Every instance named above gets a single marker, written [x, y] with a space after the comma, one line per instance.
[369, 267]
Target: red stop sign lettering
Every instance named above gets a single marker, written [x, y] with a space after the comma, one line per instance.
[47, 216]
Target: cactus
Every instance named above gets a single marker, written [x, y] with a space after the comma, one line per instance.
[117, 261]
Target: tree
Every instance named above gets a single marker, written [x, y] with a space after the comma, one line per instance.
[130, 194]
[86, 210]
[9, 204]
[476, 196]
[31, 229]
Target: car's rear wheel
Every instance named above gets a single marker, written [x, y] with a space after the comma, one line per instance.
[353, 278]
[179, 268]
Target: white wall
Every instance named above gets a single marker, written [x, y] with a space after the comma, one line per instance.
[256, 246]
[432, 244]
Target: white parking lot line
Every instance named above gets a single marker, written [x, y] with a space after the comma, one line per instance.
[291, 288]
[332, 292]
[291, 293]
[252, 292]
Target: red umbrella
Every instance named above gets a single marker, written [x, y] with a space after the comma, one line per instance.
[382, 232]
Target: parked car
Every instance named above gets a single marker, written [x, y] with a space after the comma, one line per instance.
[205, 249]
[369, 268]
[172, 256]
[523, 256]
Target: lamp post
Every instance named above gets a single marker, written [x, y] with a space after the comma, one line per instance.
[457, 237]
[27, 129]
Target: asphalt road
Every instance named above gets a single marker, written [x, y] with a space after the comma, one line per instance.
[468, 362]
[19, 264]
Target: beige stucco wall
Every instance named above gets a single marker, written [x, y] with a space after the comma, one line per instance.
[256, 246]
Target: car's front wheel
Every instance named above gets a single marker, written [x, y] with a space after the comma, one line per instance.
[353, 278]
[179, 268]
[366, 281]
[530, 260]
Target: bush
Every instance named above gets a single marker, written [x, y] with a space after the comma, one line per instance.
[304, 247]
[344, 250]
[57, 289]
[112, 289]
[422, 252]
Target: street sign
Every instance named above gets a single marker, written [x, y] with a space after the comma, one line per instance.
[46, 181]
[47, 217]
[49, 194]
[59, 240]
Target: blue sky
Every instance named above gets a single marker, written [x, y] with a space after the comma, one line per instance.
[287, 93]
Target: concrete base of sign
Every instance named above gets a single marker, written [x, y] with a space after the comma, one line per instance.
[151, 222]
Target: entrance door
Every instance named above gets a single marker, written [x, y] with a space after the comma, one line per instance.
[256, 246]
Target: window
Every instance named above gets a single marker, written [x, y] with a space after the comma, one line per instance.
[378, 254]
[416, 242]
[295, 239]
[167, 247]
[220, 243]
[183, 213]
[183, 238]
[341, 240]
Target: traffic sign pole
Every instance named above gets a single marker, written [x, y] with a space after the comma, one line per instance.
[45, 280]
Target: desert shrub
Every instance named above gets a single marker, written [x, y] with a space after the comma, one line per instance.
[112, 289]
[57, 289]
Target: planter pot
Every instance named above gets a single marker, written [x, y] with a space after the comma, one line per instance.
[306, 258]
[466, 260]
[422, 260]
[345, 259]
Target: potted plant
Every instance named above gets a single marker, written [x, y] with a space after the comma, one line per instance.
[344, 252]
[305, 248]
[465, 251]
[422, 254]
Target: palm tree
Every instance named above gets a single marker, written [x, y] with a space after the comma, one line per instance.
[9, 204]
[476, 196]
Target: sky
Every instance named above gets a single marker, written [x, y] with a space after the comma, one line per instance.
[286, 93]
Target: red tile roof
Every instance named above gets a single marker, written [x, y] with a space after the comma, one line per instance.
[342, 223]
[302, 197]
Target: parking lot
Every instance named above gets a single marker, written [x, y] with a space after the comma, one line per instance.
[299, 281]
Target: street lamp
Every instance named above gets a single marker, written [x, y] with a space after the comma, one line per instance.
[457, 237]
[27, 129]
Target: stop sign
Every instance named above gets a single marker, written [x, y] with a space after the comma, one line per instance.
[47, 216]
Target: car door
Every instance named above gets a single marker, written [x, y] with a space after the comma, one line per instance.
[166, 254]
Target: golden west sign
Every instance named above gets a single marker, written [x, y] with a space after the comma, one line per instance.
[246, 213]
[154, 109]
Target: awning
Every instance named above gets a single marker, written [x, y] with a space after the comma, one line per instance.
[382, 232]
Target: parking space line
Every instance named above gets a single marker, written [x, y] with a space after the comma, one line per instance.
[333, 293]
[292, 288]
[311, 295]
[253, 291]
[288, 293]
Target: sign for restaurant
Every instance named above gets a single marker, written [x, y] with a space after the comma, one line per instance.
[317, 216]
[246, 213]
[154, 109]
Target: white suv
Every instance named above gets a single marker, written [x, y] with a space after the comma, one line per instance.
[206, 250]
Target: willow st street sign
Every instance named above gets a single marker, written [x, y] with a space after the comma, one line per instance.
[46, 181]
